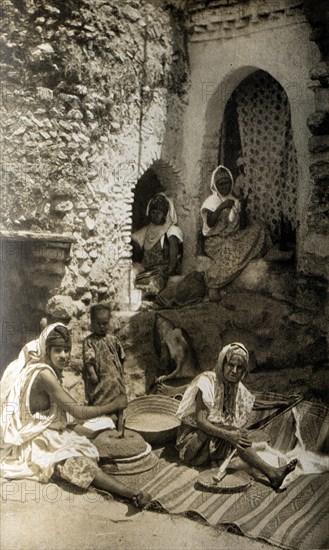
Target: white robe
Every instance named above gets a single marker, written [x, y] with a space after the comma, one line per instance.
[32, 444]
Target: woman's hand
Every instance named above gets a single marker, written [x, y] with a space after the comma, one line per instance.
[229, 203]
[238, 437]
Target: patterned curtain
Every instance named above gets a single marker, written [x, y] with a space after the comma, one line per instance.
[268, 150]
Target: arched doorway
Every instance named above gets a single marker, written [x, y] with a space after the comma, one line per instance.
[160, 177]
[257, 129]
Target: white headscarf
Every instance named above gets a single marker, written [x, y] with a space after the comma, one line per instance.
[213, 202]
[32, 352]
[228, 351]
[148, 236]
[17, 424]
[171, 214]
[230, 390]
[226, 402]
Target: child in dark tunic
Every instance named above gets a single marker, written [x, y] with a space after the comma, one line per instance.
[103, 358]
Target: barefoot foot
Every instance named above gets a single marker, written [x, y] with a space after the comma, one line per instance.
[214, 294]
[280, 473]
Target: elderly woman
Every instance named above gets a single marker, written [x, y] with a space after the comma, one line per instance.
[159, 245]
[229, 247]
[36, 440]
[214, 410]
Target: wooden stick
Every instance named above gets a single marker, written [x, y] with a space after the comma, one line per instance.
[119, 420]
[123, 429]
[268, 419]
[223, 467]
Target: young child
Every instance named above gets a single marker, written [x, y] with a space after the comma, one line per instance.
[103, 358]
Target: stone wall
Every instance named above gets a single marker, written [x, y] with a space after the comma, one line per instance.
[95, 93]
[86, 88]
[316, 245]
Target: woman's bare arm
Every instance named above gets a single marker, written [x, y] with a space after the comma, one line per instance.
[233, 435]
[49, 383]
[213, 217]
[173, 254]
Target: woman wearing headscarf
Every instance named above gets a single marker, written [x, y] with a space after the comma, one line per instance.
[229, 247]
[214, 410]
[36, 440]
[160, 245]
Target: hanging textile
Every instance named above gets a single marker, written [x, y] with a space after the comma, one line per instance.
[268, 150]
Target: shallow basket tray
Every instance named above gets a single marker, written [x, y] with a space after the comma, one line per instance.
[234, 482]
[154, 417]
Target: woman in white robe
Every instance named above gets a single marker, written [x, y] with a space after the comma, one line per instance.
[229, 247]
[214, 412]
[36, 440]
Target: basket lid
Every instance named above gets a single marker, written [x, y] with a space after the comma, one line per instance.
[232, 482]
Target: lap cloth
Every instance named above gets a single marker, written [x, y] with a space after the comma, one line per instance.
[232, 253]
[190, 290]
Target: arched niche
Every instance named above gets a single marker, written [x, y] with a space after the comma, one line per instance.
[160, 177]
[256, 133]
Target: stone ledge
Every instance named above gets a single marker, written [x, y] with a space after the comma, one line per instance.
[32, 236]
[218, 21]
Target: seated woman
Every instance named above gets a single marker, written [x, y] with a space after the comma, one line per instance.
[213, 411]
[228, 246]
[36, 441]
[159, 245]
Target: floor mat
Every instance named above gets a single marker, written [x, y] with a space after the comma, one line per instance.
[296, 518]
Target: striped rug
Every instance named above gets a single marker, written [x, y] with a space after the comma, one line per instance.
[297, 518]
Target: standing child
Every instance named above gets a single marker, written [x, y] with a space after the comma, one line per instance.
[103, 358]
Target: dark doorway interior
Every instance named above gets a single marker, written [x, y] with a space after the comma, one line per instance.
[147, 186]
[31, 271]
[230, 144]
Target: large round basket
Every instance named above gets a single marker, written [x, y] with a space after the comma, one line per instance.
[154, 417]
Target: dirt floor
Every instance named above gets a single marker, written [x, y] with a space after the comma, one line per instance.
[37, 517]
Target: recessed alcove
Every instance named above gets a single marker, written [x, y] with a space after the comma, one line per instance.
[32, 268]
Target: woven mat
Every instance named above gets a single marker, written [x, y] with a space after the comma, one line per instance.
[297, 518]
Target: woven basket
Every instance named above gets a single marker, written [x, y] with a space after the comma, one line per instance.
[154, 417]
[234, 482]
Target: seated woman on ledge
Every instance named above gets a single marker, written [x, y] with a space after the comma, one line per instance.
[229, 247]
[213, 411]
[159, 245]
[36, 441]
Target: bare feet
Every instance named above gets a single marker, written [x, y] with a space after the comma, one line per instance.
[142, 500]
[276, 478]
